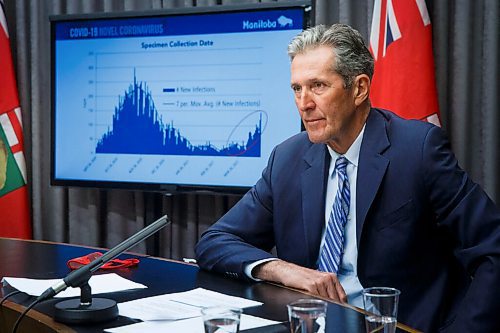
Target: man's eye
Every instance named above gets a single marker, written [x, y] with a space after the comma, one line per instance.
[296, 89]
[319, 87]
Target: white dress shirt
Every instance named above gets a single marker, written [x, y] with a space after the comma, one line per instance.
[348, 272]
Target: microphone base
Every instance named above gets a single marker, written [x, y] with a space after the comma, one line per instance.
[72, 312]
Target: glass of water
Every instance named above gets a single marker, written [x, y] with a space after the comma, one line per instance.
[221, 319]
[307, 316]
[381, 304]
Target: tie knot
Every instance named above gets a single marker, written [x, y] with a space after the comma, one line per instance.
[341, 164]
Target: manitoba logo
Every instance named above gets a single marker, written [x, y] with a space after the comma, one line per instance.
[282, 22]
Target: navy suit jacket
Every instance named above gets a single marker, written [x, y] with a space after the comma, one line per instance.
[422, 225]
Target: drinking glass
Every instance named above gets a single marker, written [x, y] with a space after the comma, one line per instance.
[307, 316]
[381, 303]
[221, 319]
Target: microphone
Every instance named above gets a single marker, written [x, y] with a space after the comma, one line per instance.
[88, 309]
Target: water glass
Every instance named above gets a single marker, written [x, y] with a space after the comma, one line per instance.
[221, 319]
[381, 303]
[307, 316]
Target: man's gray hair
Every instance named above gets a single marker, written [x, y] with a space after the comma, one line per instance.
[352, 57]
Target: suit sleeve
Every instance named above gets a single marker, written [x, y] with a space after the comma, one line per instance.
[244, 234]
[472, 221]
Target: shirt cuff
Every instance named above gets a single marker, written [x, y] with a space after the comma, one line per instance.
[248, 268]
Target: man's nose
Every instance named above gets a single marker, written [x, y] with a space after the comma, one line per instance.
[305, 101]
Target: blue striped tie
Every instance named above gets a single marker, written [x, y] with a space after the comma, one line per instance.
[333, 246]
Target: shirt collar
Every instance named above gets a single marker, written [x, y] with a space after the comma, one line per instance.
[352, 154]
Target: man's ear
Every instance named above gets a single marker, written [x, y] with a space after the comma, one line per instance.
[361, 89]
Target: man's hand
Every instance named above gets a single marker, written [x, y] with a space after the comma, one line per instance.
[298, 277]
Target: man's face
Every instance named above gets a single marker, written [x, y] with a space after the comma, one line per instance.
[327, 109]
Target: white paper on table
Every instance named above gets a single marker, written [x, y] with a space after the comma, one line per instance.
[157, 308]
[180, 305]
[191, 325]
[103, 283]
[204, 298]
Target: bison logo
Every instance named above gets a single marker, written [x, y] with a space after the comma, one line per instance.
[285, 21]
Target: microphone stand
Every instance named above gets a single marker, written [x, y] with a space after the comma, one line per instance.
[87, 309]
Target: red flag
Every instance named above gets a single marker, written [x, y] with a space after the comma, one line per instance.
[14, 209]
[401, 43]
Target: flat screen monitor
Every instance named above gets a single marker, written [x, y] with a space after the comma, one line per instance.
[191, 99]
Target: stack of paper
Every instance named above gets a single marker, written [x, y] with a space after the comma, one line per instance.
[177, 312]
[180, 312]
[105, 283]
[192, 325]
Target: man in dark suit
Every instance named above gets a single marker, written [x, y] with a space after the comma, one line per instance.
[414, 220]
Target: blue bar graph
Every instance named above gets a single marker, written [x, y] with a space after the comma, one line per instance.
[137, 128]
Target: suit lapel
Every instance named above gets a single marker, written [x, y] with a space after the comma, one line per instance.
[313, 199]
[372, 166]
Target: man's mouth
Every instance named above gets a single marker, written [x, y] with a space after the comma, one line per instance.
[313, 121]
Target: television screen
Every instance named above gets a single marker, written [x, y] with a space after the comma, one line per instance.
[191, 99]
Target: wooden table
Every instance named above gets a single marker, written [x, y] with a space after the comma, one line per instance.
[37, 259]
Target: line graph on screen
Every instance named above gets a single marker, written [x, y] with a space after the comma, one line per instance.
[200, 106]
[137, 114]
[178, 109]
